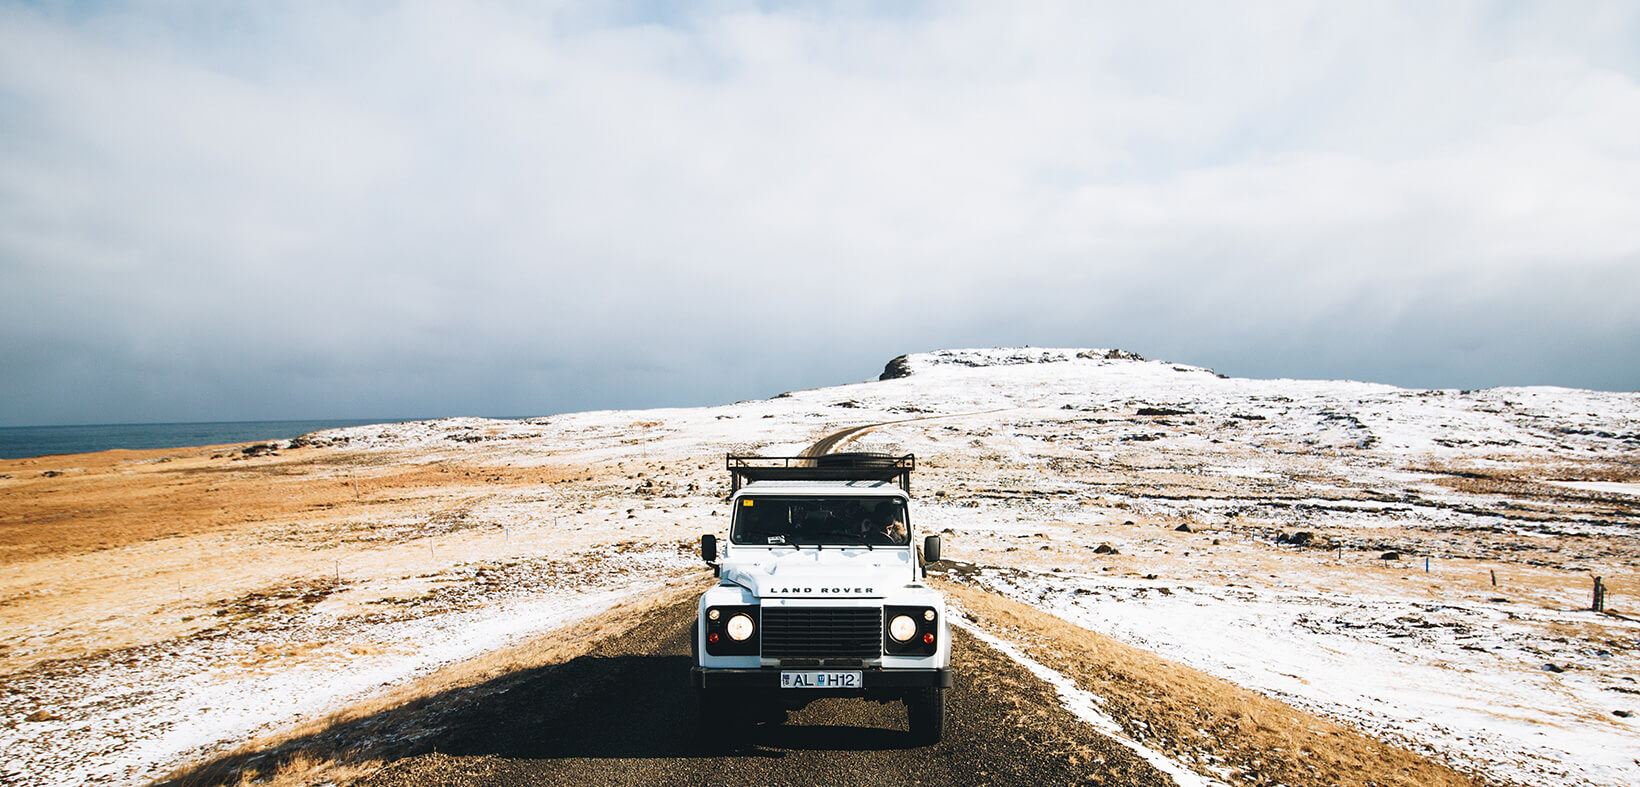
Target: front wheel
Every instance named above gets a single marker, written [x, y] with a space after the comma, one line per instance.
[925, 712]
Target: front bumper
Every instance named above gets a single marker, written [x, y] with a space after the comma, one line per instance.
[769, 678]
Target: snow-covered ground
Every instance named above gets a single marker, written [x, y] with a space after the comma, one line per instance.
[1469, 680]
[132, 716]
[1063, 476]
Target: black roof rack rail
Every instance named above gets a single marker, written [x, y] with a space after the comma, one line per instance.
[856, 466]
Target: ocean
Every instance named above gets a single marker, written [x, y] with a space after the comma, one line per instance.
[20, 442]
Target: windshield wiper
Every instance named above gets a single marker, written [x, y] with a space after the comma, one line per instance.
[859, 536]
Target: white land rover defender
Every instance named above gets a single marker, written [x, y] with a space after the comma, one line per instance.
[821, 594]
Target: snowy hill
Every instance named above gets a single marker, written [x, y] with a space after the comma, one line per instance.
[1311, 508]
[1417, 563]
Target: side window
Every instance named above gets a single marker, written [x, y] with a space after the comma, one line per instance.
[746, 519]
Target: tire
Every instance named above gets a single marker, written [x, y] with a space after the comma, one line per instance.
[925, 714]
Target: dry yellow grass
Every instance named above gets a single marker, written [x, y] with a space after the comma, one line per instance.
[1191, 715]
[122, 548]
[114, 498]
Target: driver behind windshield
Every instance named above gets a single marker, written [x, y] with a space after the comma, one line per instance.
[881, 524]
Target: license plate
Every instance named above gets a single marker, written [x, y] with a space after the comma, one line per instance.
[813, 679]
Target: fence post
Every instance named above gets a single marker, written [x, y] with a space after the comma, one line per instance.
[1599, 604]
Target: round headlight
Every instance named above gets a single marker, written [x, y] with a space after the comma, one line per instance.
[928, 615]
[902, 628]
[712, 614]
[740, 627]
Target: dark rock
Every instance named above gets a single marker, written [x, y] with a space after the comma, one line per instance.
[850, 404]
[51, 473]
[1185, 528]
[1127, 522]
[1162, 411]
[1301, 538]
[1105, 549]
[1111, 355]
[1390, 556]
[897, 368]
[1622, 714]
[1550, 667]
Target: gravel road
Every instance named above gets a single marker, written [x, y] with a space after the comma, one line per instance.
[624, 714]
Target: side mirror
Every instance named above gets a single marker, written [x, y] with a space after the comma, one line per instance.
[708, 548]
[931, 549]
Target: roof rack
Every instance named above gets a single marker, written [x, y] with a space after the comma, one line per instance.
[827, 467]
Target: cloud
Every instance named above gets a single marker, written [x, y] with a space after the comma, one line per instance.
[419, 209]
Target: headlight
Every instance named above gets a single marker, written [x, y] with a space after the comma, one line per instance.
[902, 628]
[740, 627]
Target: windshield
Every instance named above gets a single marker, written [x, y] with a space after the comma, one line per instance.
[807, 521]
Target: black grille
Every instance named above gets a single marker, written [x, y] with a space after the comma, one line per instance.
[822, 632]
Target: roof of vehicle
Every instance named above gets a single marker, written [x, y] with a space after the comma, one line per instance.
[848, 466]
[811, 488]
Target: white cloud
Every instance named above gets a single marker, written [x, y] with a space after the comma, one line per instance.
[420, 186]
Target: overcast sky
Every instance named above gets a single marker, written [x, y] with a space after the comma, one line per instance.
[219, 211]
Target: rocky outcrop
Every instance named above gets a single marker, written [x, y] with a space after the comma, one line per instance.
[897, 368]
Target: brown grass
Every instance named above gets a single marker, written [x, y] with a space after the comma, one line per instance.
[150, 544]
[301, 770]
[115, 498]
[1190, 715]
[1525, 477]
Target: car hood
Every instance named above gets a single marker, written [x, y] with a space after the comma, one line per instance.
[830, 573]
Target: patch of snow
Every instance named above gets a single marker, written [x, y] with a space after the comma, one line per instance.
[1467, 678]
[1609, 487]
[132, 719]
